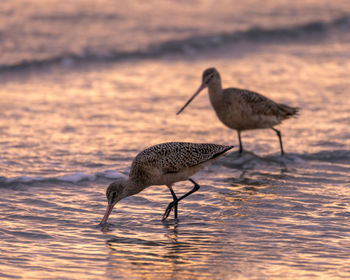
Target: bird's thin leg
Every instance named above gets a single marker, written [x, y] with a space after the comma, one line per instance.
[195, 188]
[280, 138]
[172, 204]
[176, 200]
[240, 142]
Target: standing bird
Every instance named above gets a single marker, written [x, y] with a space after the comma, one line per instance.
[242, 109]
[163, 164]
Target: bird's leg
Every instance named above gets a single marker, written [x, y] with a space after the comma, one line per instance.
[172, 204]
[195, 188]
[176, 200]
[280, 138]
[240, 141]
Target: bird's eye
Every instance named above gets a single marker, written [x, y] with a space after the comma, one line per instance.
[209, 78]
[113, 195]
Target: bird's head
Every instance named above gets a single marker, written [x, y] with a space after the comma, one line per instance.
[210, 76]
[114, 193]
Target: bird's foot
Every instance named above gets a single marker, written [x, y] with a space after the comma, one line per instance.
[168, 210]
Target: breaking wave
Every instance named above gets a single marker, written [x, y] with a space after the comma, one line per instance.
[74, 178]
[313, 30]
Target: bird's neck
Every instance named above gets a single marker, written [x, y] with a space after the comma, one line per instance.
[215, 93]
[132, 187]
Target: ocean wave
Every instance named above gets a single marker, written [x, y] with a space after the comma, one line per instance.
[73, 178]
[248, 160]
[314, 30]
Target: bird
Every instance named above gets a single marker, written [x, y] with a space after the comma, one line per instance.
[242, 109]
[164, 164]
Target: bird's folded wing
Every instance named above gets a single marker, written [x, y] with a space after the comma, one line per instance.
[174, 157]
[259, 104]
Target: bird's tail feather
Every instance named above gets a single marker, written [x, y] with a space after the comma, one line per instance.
[222, 152]
[289, 111]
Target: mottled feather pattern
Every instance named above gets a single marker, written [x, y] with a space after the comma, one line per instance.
[263, 105]
[173, 157]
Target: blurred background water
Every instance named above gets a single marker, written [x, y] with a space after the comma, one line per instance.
[86, 85]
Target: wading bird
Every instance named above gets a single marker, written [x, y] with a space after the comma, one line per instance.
[163, 164]
[242, 109]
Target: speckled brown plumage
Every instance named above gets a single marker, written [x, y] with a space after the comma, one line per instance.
[242, 109]
[252, 110]
[155, 165]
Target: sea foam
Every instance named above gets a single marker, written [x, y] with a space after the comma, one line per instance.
[74, 178]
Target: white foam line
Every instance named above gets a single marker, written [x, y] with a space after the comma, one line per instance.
[72, 178]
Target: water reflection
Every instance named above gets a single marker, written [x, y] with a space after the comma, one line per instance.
[179, 252]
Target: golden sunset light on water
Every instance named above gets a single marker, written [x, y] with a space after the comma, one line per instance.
[87, 86]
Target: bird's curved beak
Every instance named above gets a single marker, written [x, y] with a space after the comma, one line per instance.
[107, 213]
[203, 86]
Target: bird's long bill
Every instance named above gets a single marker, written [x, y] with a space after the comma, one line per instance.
[108, 212]
[203, 86]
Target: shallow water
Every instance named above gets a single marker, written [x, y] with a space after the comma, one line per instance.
[69, 129]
